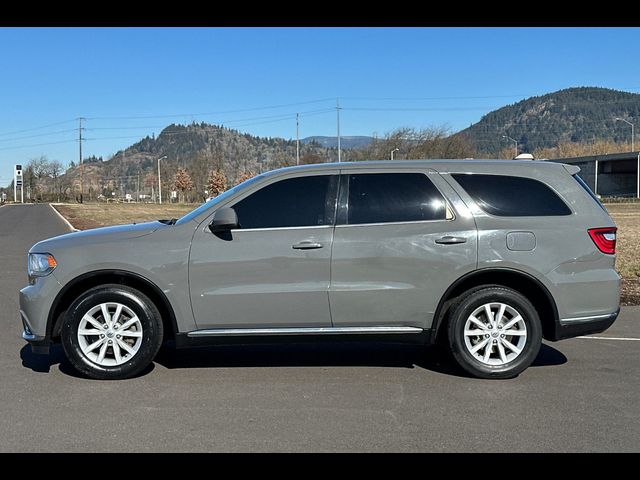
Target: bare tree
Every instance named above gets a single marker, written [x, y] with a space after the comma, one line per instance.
[39, 168]
[244, 176]
[55, 169]
[309, 158]
[217, 183]
[412, 144]
[200, 167]
[182, 181]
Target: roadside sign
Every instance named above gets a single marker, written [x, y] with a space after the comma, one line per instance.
[17, 183]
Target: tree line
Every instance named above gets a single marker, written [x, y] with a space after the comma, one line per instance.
[211, 171]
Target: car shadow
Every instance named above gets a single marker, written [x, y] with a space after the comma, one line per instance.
[329, 355]
[548, 357]
[44, 363]
[326, 354]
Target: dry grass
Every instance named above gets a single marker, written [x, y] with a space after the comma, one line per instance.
[93, 215]
[626, 216]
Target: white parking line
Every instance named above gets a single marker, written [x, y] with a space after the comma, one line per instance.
[613, 338]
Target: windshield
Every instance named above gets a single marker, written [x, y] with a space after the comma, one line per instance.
[211, 203]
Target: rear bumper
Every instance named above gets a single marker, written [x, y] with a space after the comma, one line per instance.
[574, 327]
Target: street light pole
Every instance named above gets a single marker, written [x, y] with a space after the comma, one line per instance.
[297, 139]
[632, 133]
[513, 140]
[338, 126]
[160, 183]
[394, 150]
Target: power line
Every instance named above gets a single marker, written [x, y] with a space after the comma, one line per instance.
[435, 109]
[212, 113]
[280, 115]
[38, 135]
[36, 128]
[437, 98]
[280, 118]
[37, 145]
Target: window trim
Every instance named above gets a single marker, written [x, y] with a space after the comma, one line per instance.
[314, 227]
[335, 188]
[343, 198]
[484, 212]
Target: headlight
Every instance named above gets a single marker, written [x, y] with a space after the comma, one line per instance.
[41, 264]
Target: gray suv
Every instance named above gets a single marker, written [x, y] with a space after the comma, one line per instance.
[485, 257]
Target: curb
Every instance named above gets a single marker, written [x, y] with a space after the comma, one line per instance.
[67, 222]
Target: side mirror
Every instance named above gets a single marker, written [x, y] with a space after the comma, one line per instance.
[224, 220]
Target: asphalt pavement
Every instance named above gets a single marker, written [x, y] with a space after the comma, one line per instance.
[580, 395]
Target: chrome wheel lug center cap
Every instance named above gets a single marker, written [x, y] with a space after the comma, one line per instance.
[110, 334]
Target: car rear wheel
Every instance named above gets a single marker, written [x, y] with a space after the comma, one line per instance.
[111, 332]
[494, 332]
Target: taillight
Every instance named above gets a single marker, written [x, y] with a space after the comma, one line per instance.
[604, 238]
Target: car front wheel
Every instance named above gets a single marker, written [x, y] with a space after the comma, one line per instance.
[111, 332]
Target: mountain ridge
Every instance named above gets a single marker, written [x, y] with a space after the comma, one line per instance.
[576, 114]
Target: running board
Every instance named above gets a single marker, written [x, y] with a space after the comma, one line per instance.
[235, 332]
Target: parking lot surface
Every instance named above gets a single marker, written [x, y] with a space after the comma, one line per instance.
[580, 395]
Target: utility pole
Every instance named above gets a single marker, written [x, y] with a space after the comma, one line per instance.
[338, 124]
[297, 139]
[159, 183]
[81, 163]
[138, 188]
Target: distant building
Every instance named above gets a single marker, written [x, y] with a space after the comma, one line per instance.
[613, 175]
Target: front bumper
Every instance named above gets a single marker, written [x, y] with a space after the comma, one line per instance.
[36, 301]
[574, 327]
[39, 343]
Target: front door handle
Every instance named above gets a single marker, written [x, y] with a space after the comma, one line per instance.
[450, 240]
[307, 245]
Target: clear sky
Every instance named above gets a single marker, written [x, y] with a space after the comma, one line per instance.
[385, 78]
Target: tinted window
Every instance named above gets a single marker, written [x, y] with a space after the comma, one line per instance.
[223, 196]
[512, 196]
[589, 191]
[393, 197]
[295, 202]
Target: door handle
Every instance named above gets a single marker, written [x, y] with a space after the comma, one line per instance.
[450, 240]
[307, 245]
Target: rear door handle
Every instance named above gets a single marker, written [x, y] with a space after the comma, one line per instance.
[450, 240]
[307, 245]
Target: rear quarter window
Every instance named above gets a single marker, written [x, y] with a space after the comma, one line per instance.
[587, 189]
[509, 196]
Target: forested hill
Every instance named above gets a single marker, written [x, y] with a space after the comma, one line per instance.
[581, 114]
[198, 147]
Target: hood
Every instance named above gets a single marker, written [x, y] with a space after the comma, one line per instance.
[98, 235]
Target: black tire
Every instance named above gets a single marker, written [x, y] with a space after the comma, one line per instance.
[140, 304]
[465, 307]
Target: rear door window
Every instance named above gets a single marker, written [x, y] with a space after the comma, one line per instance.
[393, 197]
